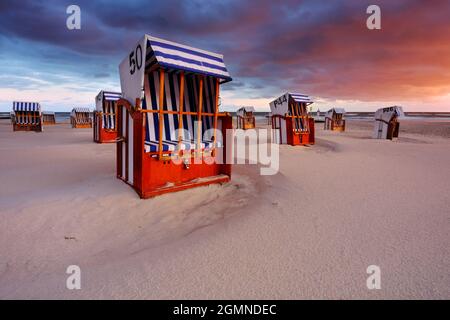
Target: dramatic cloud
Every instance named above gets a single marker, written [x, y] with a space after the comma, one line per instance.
[320, 48]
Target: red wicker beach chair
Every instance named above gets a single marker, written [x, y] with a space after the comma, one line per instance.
[105, 117]
[291, 123]
[169, 110]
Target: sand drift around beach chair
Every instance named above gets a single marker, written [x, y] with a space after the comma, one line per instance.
[27, 116]
[291, 123]
[170, 110]
[334, 120]
[105, 117]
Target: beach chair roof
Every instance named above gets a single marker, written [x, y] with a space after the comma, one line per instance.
[280, 105]
[299, 97]
[48, 112]
[80, 110]
[151, 52]
[106, 96]
[26, 106]
[241, 111]
[339, 110]
[386, 114]
[110, 96]
[178, 56]
[246, 109]
[330, 112]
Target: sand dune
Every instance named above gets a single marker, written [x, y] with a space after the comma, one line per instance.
[308, 232]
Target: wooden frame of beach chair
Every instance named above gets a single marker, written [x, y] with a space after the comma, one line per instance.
[175, 116]
[81, 118]
[387, 125]
[105, 117]
[48, 118]
[291, 123]
[334, 120]
[27, 116]
[245, 118]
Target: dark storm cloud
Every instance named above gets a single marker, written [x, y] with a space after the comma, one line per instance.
[322, 48]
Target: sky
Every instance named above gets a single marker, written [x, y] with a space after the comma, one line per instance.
[320, 48]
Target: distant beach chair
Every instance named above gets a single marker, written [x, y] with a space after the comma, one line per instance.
[27, 116]
[386, 122]
[105, 126]
[334, 119]
[12, 116]
[80, 118]
[48, 118]
[170, 108]
[291, 123]
[245, 118]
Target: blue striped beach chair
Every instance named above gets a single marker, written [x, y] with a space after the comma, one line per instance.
[291, 123]
[27, 116]
[105, 117]
[170, 109]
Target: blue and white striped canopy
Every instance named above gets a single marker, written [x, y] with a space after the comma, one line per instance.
[26, 106]
[177, 56]
[80, 110]
[298, 97]
[111, 96]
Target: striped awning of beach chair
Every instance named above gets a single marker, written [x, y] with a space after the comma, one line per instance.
[181, 57]
[170, 134]
[80, 110]
[111, 96]
[26, 106]
[281, 104]
[27, 112]
[298, 97]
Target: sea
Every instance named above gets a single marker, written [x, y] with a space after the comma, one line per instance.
[61, 117]
[65, 116]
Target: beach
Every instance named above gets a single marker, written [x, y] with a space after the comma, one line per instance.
[308, 232]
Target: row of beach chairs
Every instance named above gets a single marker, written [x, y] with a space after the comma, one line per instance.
[169, 107]
[28, 116]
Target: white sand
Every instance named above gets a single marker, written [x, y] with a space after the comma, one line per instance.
[308, 232]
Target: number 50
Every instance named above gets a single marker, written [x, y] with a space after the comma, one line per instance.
[136, 59]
